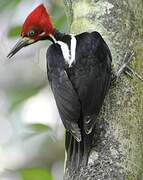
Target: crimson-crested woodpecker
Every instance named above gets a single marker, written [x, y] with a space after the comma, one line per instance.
[79, 72]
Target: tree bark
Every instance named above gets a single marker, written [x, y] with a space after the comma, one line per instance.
[118, 141]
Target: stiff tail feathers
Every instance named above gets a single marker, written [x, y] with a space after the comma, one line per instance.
[77, 152]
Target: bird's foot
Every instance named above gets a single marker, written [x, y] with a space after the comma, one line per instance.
[131, 73]
[126, 69]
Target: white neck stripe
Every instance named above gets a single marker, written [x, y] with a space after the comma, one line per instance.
[73, 49]
[69, 54]
[65, 51]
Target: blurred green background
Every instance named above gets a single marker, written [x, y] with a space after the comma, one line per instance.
[31, 132]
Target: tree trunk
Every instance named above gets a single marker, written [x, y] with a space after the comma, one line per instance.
[118, 140]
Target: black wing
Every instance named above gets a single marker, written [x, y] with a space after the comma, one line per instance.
[66, 98]
[92, 75]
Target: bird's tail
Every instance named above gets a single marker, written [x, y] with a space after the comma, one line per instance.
[77, 152]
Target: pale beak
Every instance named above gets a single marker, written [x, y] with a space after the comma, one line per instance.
[19, 45]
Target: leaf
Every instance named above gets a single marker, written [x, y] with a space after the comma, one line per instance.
[19, 96]
[39, 127]
[59, 17]
[36, 174]
[60, 23]
[14, 31]
[8, 4]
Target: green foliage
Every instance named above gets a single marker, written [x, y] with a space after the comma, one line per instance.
[39, 127]
[35, 174]
[60, 22]
[14, 31]
[19, 96]
[8, 4]
[59, 18]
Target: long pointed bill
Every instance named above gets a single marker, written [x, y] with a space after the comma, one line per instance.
[19, 45]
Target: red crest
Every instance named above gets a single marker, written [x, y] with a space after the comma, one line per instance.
[38, 18]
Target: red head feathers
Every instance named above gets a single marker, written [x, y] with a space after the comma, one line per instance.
[37, 26]
[38, 22]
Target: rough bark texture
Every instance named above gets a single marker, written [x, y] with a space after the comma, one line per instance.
[118, 142]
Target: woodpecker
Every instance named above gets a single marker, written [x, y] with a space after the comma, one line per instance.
[79, 72]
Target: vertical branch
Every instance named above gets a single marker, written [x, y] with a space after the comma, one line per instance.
[118, 140]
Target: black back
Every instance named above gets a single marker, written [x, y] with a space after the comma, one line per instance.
[80, 90]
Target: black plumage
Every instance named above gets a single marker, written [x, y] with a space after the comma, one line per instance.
[79, 90]
[79, 86]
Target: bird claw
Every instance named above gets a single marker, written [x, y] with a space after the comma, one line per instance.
[124, 68]
[131, 73]
[127, 59]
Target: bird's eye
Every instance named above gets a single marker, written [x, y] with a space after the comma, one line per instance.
[31, 33]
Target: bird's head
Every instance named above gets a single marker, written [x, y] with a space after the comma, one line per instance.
[37, 26]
